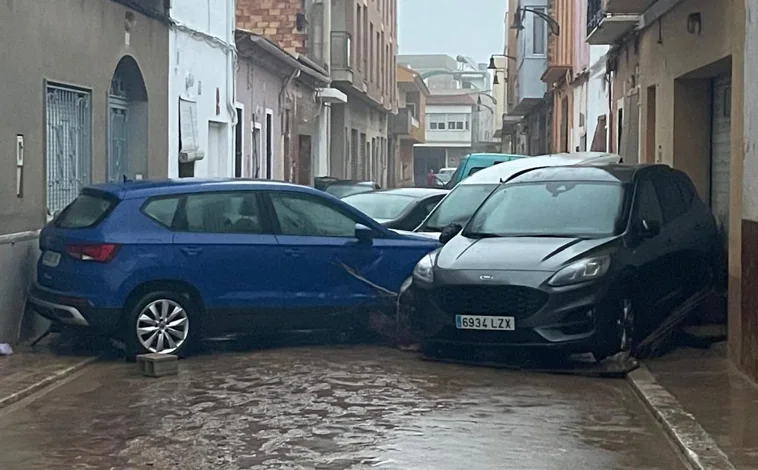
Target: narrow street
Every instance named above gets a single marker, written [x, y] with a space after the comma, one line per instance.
[331, 408]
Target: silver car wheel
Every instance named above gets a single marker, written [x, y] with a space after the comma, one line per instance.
[162, 326]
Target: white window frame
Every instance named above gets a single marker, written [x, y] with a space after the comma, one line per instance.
[241, 107]
[464, 119]
[256, 126]
[436, 118]
[190, 131]
[534, 20]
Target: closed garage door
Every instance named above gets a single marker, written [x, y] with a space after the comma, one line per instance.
[721, 151]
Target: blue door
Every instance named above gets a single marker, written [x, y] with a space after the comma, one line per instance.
[328, 270]
[225, 247]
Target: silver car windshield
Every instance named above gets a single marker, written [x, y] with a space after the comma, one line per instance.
[457, 207]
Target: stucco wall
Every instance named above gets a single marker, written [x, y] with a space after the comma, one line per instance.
[78, 43]
[56, 44]
[597, 92]
[670, 64]
[672, 58]
[258, 90]
[201, 69]
[579, 109]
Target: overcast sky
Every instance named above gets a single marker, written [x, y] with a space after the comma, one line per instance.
[472, 28]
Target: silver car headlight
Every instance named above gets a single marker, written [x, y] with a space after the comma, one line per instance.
[582, 271]
[424, 270]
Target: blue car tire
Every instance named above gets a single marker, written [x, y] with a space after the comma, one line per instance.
[161, 322]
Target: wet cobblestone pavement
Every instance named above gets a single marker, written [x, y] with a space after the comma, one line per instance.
[331, 408]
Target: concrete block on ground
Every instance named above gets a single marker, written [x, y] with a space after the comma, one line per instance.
[157, 365]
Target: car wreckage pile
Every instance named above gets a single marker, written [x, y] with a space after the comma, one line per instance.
[563, 255]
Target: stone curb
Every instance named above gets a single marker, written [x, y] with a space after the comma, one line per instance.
[698, 448]
[46, 382]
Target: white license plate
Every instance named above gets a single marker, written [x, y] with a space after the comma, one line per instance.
[480, 322]
[51, 259]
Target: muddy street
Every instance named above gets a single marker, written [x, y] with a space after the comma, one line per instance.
[331, 408]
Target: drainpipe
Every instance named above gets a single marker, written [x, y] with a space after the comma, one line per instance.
[609, 129]
[231, 63]
[295, 74]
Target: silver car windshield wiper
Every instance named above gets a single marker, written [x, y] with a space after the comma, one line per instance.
[482, 235]
[545, 235]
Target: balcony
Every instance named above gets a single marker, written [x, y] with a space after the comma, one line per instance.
[342, 60]
[528, 88]
[406, 127]
[609, 20]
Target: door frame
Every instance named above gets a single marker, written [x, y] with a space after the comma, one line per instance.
[240, 123]
[619, 124]
[268, 168]
[257, 160]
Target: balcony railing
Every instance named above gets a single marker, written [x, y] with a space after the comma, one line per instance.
[341, 50]
[406, 126]
[401, 123]
[595, 14]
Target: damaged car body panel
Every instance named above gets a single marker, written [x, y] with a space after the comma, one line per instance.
[576, 258]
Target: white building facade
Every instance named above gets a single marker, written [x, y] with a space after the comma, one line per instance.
[597, 95]
[202, 70]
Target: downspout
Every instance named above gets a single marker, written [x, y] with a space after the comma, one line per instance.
[295, 74]
[231, 62]
[609, 131]
[288, 158]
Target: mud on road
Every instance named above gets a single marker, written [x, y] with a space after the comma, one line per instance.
[332, 408]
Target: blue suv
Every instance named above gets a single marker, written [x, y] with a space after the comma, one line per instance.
[160, 264]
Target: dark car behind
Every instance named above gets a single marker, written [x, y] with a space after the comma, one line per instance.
[344, 188]
[399, 209]
[578, 259]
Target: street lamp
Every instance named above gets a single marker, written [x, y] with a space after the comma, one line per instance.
[492, 66]
[518, 20]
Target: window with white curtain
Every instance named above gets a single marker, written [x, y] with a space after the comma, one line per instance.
[448, 121]
[436, 121]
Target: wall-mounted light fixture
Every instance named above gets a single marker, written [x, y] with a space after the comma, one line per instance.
[492, 66]
[694, 23]
[518, 20]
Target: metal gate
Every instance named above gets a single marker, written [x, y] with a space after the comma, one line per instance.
[69, 145]
[118, 130]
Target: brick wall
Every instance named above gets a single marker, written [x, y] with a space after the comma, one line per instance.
[274, 19]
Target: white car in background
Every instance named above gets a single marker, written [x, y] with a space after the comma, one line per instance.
[461, 203]
[445, 174]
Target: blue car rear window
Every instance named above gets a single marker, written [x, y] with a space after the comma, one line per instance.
[87, 211]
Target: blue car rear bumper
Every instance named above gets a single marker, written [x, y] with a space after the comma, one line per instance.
[69, 310]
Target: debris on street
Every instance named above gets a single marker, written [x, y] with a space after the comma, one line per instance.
[5, 349]
[657, 342]
[157, 365]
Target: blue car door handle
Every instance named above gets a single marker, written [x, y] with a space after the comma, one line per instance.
[293, 251]
[191, 250]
